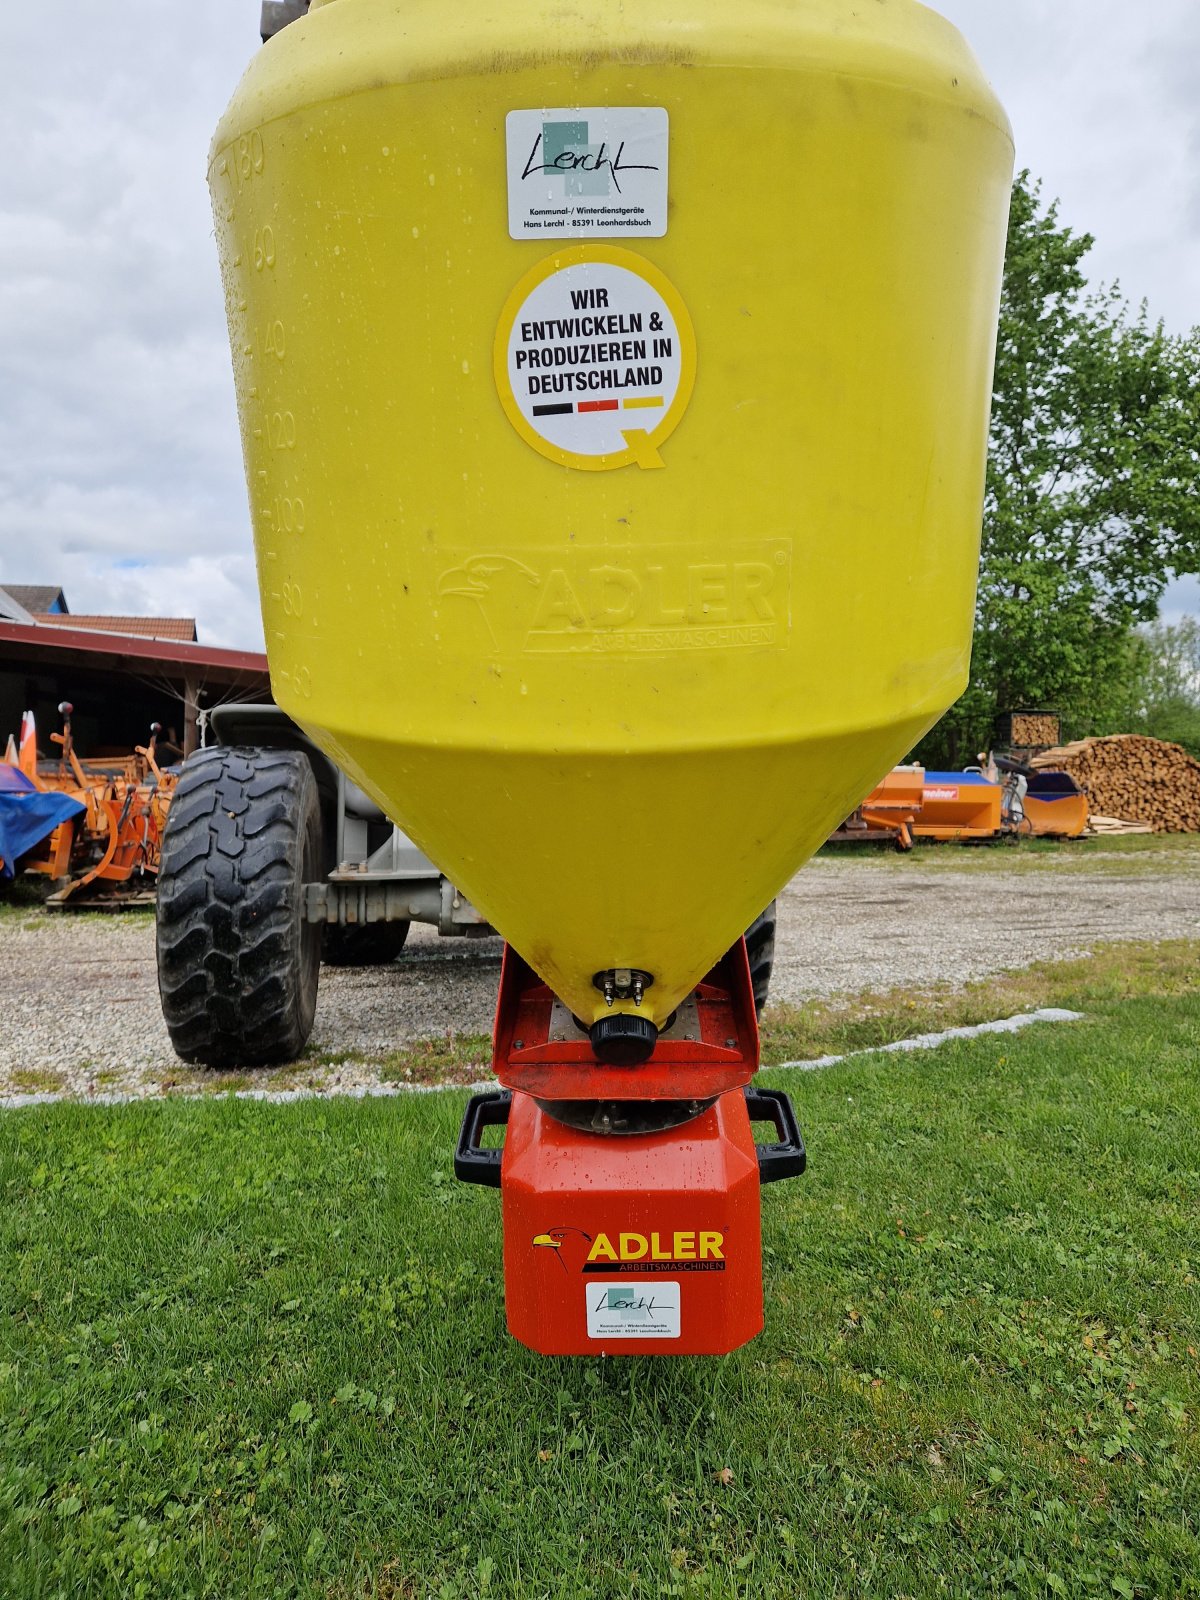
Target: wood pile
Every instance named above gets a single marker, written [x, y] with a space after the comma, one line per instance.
[1133, 778]
[1113, 827]
[1029, 729]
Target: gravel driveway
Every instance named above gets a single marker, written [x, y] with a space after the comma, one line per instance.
[846, 926]
[81, 1001]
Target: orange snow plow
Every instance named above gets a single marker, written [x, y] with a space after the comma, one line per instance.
[889, 811]
[1054, 812]
[911, 803]
[959, 805]
[1048, 804]
[108, 852]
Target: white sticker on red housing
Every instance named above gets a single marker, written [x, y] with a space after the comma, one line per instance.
[633, 1309]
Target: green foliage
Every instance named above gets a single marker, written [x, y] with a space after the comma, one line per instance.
[252, 1350]
[1164, 689]
[1093, 489]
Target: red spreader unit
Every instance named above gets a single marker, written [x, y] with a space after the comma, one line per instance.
[630, 1188]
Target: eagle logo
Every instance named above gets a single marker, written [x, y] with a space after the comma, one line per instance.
[560, 1239]
[489, 580]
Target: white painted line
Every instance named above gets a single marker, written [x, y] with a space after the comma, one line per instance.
[384, 1091]
[930, 1041]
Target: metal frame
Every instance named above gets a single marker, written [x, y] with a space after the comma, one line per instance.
[394, 882]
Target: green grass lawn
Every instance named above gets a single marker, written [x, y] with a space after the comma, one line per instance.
[260, 1350]
[1134, 855]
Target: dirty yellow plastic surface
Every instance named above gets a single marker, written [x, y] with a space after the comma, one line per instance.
[618, 708]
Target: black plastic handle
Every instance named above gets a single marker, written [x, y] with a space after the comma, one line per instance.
[472, 1163]
[786, 1158]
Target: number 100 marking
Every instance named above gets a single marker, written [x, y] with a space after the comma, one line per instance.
[288, 513]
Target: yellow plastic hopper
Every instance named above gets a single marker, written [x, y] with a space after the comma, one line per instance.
[617, 667]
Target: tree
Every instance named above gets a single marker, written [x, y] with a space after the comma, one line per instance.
[1165, 690]
[1093, 489]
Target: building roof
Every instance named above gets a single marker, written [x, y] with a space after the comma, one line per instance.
[180, 628]
[11, 609]
[38, 597]
[172, 658]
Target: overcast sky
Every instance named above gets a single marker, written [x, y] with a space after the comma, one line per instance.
[120, 466]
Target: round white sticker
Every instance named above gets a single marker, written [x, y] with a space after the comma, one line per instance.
[595, 358]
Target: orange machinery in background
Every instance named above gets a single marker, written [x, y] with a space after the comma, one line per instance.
[960, 805]
[115, 843]
[889, 811]
[911, 803]
[1053, 805]
[1056, 815]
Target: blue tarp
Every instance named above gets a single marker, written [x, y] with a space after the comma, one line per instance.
[13, 780]
[27, 816]
[959, 778]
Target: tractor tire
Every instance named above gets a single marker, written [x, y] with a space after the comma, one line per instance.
[369, 944]
[238, 964]
[760, 947]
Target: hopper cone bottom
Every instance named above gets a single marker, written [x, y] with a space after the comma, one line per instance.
[655, 861]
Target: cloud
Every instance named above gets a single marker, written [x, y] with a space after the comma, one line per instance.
[106, 546]
[225, 592]
[1103, 100]
[118, 432]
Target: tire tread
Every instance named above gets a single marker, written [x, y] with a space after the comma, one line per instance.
[760, 947]
[237, 972]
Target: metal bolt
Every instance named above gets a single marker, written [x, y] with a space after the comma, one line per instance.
[731, 1044]
[518, 1044]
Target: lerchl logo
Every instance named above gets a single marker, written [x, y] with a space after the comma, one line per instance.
[684, 1250]
[563, 150]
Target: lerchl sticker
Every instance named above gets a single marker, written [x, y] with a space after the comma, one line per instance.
[633, 1309]
[585, 171]
[595, 358]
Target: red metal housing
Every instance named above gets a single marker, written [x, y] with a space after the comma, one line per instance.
[539, 1048]
[627, 1243]
[647, 1244]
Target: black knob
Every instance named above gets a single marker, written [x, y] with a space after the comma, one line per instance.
[622, 1040]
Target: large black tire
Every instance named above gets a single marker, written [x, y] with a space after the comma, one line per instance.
[238, 964]
[363, 944]
[760, 947]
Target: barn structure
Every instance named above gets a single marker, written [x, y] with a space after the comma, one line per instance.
[119, 673]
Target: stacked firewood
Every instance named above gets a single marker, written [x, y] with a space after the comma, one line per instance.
[1028, 729]
[1134, 778]
[1113, 826]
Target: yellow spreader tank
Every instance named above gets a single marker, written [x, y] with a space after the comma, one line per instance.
[613, 386]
